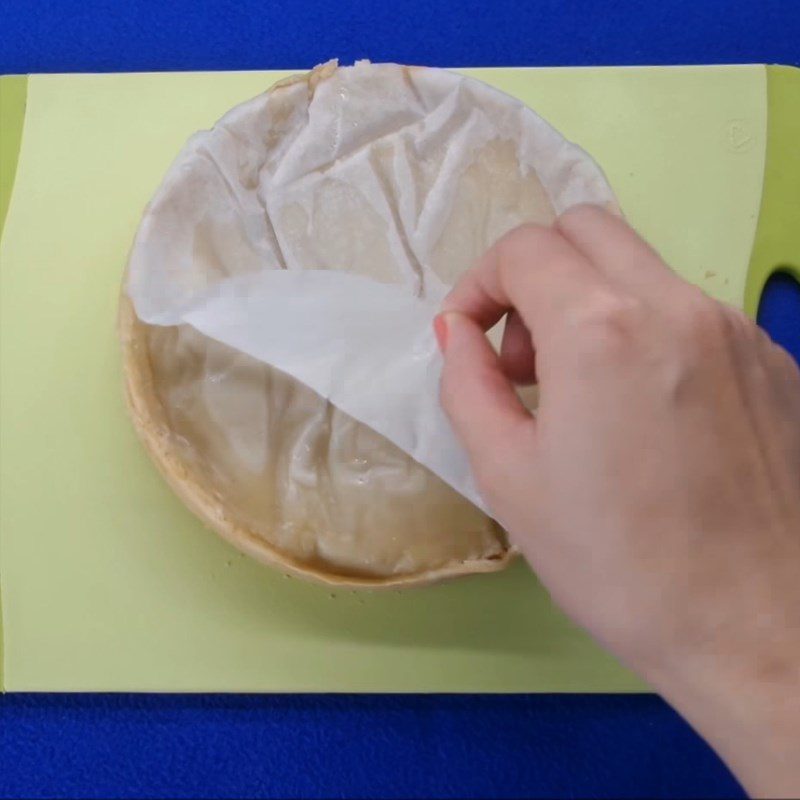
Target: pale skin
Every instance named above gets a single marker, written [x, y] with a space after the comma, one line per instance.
[656, 492]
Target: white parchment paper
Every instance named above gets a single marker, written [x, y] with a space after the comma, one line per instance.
[306, 228]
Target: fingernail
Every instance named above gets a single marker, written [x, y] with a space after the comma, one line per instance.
[440, 329]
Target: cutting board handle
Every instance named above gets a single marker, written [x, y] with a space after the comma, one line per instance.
[13, 90]
[776, 247]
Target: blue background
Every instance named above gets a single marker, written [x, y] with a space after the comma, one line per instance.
[406, 746]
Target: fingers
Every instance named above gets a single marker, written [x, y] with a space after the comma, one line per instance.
[517, 359]
[617, 250]
[486, 414]
[533, 269]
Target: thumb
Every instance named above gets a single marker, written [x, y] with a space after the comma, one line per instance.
[482, 405]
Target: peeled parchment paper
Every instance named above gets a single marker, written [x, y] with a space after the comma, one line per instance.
[317, 227]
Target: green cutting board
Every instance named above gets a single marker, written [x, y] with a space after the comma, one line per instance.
[107, 582]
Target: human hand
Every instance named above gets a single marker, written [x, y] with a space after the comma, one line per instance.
[656, 491]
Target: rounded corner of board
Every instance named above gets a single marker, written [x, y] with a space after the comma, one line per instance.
[776, 247]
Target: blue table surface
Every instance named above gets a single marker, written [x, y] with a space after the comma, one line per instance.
[359, 746]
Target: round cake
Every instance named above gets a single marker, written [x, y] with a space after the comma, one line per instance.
[403, 175]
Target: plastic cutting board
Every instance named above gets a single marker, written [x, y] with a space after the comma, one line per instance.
[107, 582]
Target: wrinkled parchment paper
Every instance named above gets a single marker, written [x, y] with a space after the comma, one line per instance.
[316, 229]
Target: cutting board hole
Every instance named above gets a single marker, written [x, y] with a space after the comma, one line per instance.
[779, 310]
